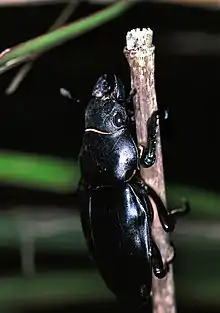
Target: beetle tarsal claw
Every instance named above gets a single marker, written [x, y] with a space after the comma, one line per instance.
[141, 149]
[171, 254]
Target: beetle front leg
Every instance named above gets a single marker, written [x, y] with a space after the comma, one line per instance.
[129, 105]
[132, 93]
[148, 155]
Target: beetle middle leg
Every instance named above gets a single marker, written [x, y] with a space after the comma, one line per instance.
[167, 218]
[181, 210]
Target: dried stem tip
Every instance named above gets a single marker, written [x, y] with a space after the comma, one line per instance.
[140, 40]
[139, 52]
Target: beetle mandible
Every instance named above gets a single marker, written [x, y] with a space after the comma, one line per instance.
[116, 212]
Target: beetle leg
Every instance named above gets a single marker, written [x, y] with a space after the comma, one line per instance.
[129, 99]
[85, 215]
[172, 253]
[148, 156]
[140, 188]
[129, 105]
[150, 209]
[167, 219]
[159, 268]
[182, 210]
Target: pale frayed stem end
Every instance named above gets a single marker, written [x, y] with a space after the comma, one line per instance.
[139, 39]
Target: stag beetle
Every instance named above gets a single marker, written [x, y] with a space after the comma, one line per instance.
[116, 212]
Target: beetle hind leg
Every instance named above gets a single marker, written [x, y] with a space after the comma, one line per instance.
[160, 269]
[172, 253]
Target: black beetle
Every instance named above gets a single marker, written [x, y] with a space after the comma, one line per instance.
[116, 213]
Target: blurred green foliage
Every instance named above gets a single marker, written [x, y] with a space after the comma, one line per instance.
[196, 276]
[78, 286]
[38, 171]
[196, 269]
[54, 174]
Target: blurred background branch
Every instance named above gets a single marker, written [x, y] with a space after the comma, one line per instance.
[209, 4]
[16, 55]
[56, 175]
[62, 18]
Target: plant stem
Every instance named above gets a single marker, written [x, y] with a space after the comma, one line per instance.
[140, 55]
[62, 18]
[24, 51]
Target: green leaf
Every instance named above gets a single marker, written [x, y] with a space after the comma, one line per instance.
[39, 172]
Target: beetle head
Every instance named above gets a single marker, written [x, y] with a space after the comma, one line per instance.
[109, 86]
[106, 112]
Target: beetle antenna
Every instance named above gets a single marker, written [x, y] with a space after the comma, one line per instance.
[65, 93]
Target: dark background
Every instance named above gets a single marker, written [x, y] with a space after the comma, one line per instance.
[37, 119]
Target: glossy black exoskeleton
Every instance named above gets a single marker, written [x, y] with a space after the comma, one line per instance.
[116, 212]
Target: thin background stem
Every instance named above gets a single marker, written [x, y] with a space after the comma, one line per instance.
[208, 4]
[14, 56]
[62, 18]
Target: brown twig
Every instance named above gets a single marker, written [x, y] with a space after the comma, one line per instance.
[140, 55]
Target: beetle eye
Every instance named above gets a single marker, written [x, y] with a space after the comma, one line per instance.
[118, 120]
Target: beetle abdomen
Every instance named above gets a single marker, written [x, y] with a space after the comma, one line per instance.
[121, 239]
